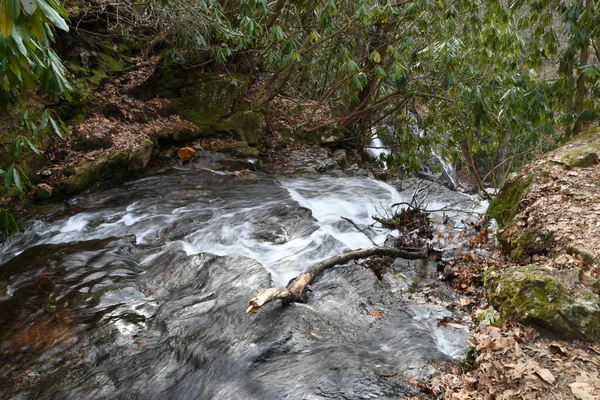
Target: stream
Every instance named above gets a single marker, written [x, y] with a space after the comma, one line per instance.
[139, 292]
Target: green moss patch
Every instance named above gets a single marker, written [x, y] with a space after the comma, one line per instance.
[559, 301]
[581, 156]
[504, 206]
[527, 244]
[108, 170]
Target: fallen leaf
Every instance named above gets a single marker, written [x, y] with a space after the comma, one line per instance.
[376, 314]
[582, 391]
[595, 349]
[465, 301]
[518, 351]
[557, 348]
[546, 375]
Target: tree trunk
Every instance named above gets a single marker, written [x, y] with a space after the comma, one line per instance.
[500, 161]
[578, 107]
[467, 155]
[294, 290]
[583, 60]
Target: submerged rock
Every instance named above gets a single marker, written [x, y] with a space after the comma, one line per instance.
[563, 301]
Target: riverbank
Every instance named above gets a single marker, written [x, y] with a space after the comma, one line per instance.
[538, 285]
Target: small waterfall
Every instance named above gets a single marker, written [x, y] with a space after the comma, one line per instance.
[447, 176]
[377, 149]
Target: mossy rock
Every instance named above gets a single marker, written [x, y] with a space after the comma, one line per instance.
[581, 156]
[526, 244]
[95, 66]
[108, 170]
[241, 150]
[505, 205]
[559, 300]
[204, 98]
[324, 137]
[249, 125]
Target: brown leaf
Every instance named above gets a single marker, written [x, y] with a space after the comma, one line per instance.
[518, 351]
[558, 348]
[465, 301]
[582, 391]
[595, 349]
[546, 375]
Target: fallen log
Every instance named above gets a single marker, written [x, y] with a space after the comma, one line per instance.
[295, 288]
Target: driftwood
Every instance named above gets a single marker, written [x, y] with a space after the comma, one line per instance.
[294, 290]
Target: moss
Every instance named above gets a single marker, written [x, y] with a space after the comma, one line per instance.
[581, 156]
[204, 98]
[529, 294]
[108, 170]
[103, 64]
[249, 125]
[504, 206]
[528, 244]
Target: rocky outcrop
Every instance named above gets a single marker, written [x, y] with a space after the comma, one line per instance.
[110, 169]
[549, 218]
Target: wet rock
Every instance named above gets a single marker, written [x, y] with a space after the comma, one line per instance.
[233, 164]
[327, 137]
[340, 157]
[562, 301]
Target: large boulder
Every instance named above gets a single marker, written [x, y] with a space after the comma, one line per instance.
[250, 126]
[565, 302]
[108, 170]
[204, 98]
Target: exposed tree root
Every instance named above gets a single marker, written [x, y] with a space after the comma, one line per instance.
[294, 290]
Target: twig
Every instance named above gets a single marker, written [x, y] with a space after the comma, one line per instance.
[361, 230]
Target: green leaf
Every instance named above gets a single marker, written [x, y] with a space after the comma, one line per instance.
[2, 172]
[37, 21]
[376, 57]
[15, 149]
[17, 179]
[8, 179]
[44, 120]
[32, 146]
[8, 224]
[6, 21]
[56, 128]
[14, 9]
[29, 6]
[52, 15]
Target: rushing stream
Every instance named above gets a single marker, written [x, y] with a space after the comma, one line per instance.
[139, 292]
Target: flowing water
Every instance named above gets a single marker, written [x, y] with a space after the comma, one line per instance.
[139, 292]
